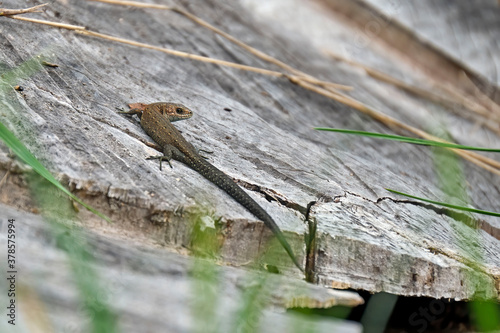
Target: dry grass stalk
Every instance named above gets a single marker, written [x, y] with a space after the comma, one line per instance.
[480, 160]
[451, 99]
[84, 31]
[11, 12]
[234, 40]
[305, 82]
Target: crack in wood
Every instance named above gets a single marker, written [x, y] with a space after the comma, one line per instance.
[272, 195]
[468, 220]
[311, 244]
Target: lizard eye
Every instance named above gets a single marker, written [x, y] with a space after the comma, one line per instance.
[179, 110]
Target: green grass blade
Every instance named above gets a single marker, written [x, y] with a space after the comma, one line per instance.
[407, 139]
[378, 312]
[467, 209]
[92, 294]
[488, 319]
[25, 155]
[23, 71]
[452, 182]
[71, 239]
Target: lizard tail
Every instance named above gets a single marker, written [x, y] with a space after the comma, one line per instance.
[225, 183]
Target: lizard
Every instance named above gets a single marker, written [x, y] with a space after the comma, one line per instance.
[156, 120]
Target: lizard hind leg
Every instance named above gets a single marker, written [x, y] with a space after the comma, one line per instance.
[199, 151]
[161, 158]
[168, 152]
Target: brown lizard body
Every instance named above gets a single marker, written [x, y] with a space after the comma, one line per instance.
[156, 121]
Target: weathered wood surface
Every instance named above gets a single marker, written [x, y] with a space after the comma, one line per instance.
[366, 239]
[152, 290]
[465, 30]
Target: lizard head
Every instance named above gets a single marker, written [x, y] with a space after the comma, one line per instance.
[175, 111]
